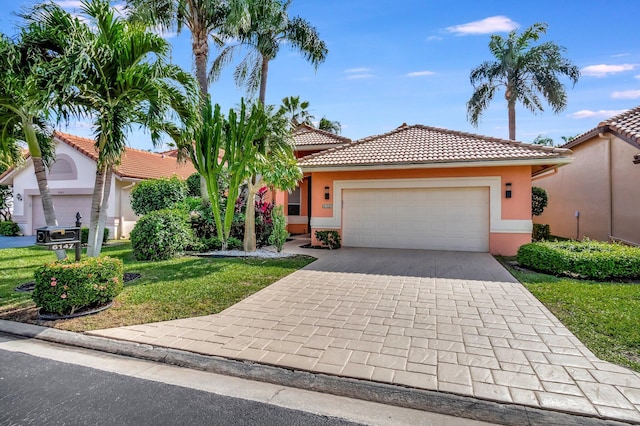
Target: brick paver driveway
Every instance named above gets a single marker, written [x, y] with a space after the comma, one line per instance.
[442, 321]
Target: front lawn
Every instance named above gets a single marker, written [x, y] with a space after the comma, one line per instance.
[605, 316]
[172, 289]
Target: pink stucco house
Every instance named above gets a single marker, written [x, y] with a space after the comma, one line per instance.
[598, 194]
[419, 187]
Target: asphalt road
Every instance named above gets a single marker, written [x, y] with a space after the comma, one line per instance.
[38, 391]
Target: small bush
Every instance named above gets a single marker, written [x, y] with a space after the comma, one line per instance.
[9, 228]
[329, 238]
[540, 232]
[157, 194]
[234, 243]
[84, 235]
[66, 287]
[193, 185]
[587, 259]
[160, 235]
[279, 233]
[539, 200]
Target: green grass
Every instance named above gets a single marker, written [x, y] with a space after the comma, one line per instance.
[605, 316]
[176, 288]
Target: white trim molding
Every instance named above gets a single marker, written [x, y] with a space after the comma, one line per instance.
[494, 183]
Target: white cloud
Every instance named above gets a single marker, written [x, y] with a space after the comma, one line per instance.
[626, 94]
[637, 77]
[359, 76]
[357, 70]
[493, 24]
[603, 113]
[620, 55]
[420, 73]
[602, 70]
[69, 4]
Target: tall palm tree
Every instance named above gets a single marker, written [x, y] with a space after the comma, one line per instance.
[296, 111]
[330, 126]
[525, 71]
[263, 26]
[114, 72]
[24, 108]
[203, 19]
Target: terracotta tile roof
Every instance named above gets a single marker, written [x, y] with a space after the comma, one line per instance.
[135, 163]
[307, 136]
[419, 144]
[625, 125]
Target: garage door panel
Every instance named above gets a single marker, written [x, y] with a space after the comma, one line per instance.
[418, 218]
[66, 207]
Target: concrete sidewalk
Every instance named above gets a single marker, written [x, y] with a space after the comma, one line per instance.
[454, 323]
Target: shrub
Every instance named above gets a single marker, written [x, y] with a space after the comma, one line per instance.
[84, 235]
[540, 232]
[193, 185]
[160, 235]
[9, 228]
[588, 259]
[234, 243]
[539, 200]
[157, 194]
[66, 287]
[329, 238]
[279, 233]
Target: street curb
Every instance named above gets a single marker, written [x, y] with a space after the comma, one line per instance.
[432, 401]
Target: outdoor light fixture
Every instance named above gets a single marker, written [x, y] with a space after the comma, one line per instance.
[326, 192]
[507, 192]
[19, 197]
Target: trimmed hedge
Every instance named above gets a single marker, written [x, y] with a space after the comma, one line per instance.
[67, 287]
[9, 228]
[586, 259]
[541, 232]
[84, 235]
[160, 235]
[157, 194]
[329, 238]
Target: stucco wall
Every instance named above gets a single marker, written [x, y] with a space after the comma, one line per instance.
[514, 212]
[583, 186]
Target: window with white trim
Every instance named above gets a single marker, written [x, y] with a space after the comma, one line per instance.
[293, 207]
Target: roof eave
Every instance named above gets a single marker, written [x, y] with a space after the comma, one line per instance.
[556, 161]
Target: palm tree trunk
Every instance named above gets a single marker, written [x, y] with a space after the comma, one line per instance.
[200, 48]
[104, 206]
[45, 196]
[512, 120]
[263, 79]
[94, 216]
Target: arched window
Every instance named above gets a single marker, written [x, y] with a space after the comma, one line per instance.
[64, 168]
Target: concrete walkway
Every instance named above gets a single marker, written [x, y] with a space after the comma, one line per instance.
[16, 242]
[441, 321]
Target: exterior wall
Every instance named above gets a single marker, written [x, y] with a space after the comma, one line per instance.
[584, 186]
[299, 224]
[126, 219]
[510, 219]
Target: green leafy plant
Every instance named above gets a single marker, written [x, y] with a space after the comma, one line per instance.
[157, 194]
[329, 238]
[539, 200]
[160, 235]
[9, 228]
[193, 185]
[234, 243]
[66, 287]
[279, 233]
[84, 235]
[586, 259]
[540, 232]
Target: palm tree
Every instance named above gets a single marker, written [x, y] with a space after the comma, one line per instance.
[24, 108]
[296, 111]
[203, 18]
[330, 126]
[525, 72]
[263, 26]
[115, 72]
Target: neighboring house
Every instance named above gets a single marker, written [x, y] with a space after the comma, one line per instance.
[423, 188]
[602, 184]
[308, 140]
[71, 179]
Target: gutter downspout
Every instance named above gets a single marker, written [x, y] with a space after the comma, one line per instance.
[610, 183]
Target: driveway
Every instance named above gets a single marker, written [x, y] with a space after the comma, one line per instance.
[441, 321]
[16, 242]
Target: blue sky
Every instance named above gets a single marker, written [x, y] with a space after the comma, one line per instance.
[399, 61]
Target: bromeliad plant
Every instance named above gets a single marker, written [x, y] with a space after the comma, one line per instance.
[66, 287]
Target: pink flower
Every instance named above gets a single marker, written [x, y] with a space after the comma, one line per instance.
[53, 283]
[53, 278]
[63, 296]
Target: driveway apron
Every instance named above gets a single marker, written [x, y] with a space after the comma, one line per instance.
[442, 321]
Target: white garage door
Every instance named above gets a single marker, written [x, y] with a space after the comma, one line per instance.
[417, 218]
[66, 208]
